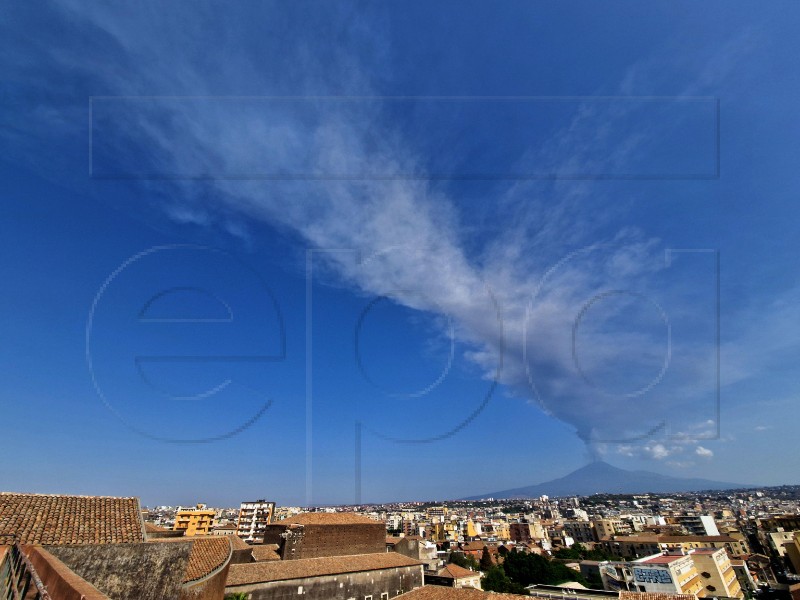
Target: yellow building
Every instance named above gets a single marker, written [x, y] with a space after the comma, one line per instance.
[703, 573]
[501, 530]
[194, 521]
[607, 527]
[646, 545]
[436, 531]
[792, 550]
[470, 530]
[663, 574]
[716, 573]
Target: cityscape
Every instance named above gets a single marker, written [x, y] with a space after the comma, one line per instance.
[738, 544]
[415, 300]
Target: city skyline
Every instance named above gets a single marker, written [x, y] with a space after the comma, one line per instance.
[353, 252]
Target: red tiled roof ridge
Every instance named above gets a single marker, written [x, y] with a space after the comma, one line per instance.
[59, 519]
[281, 570]
[325, 518]
[68, 495]
[458, 572]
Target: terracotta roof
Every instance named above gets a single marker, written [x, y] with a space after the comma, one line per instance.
[265, 552]
[153, 528]
[440, 592]
[209, 553]
[324, 518]
[473, 546]
[237, 543]
[63, 520]
[260, 572]
[455, 572]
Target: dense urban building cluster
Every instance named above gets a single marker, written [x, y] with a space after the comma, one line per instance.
[730, 544]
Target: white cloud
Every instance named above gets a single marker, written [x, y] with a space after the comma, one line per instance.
[704, 452]
[543, 271]
[658, 451]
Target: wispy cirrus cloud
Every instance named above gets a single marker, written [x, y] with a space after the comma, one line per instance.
[586, 304]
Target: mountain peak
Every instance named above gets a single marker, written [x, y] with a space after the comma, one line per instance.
[601, 477]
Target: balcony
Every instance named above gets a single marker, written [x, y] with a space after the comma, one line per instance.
[18, 578]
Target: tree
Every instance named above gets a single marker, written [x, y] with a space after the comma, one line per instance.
[487, 561]
[580, 552]
[527, 569]
[496, 580]
[595, 581]
[463, 560]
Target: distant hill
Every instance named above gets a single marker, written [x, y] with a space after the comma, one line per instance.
[601, 477]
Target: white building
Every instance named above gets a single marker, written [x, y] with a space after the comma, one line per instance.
[253, 516]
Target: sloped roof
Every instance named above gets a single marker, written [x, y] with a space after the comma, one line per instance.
[208, 553]
[455, 572]
[153, 528]
[265, 552]
[238, 543]
[325, 518]
[56, 520]
[260, 572]
[472, 546]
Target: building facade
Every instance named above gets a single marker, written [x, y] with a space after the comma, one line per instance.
[253, 519]
[194, 521]
[377, 576]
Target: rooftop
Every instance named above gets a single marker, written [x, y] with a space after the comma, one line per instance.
[666, 539]
[453, 571]
[663, 559]
[325, 518]
[280, 570]
[208, 553]
[50, 519]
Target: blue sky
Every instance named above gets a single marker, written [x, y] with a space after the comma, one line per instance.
[321, 252]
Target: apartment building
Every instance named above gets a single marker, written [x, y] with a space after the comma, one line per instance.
[661, 573]
[194, 521]
[253, 519]
[607, 527]
[580, 531]
[647, 545]
[695, 524]
[703, 572]
[716, 572]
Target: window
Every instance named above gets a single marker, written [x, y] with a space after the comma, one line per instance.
[368, 597]
[385, 596]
